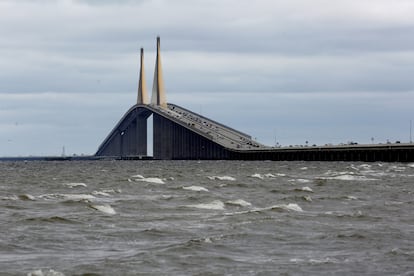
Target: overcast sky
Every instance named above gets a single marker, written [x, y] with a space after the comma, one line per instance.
[323, 71]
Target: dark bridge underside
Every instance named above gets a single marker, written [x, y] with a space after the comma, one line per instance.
[176, 137]
[173, 139]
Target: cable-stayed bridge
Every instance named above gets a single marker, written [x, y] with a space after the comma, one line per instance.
[179, 133]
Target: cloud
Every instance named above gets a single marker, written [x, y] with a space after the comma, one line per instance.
[319, 69]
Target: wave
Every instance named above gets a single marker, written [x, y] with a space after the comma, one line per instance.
[287, 207]
[224, 178]
[347, 177]
[104, 208]
[12, 197]
[239, 202]
[49, 272]
[195, 188]
[257, 175]
[154, 180]
[307, 198]
[263, 176]
[69, 197]
[300, 180]
[339, 214]
[304, 189]
[100, 193]
[315, 261]
[214, 205]
[26, 197]
[74, 185]
[54, 219]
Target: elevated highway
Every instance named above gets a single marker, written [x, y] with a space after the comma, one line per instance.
[179, 133]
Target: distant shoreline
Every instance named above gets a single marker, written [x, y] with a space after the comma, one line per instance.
[70, 158]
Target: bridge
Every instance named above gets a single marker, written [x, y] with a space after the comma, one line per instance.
[179, 133]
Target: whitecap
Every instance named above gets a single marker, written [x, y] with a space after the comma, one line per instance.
[214, 205]
[307, 198]
[49, 272]
[26, 197]
[195, 188]
[397, 168]
[351, 197]
[12, 197]
[100, 193]
[257, 175]
[154, 180]
[348, 177]
[224, 178]
[306, 189]
[290, 207]
[269, 175]
[112, 191]
[281, 174]
[411, 165]
[300, 180]
[74, 185]
[137, 176]
[297, 260]
[104, 208]
[73, 197]
[239, 202]
[77, 197]
[304, 168]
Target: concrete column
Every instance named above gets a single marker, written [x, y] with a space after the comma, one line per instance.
[158, 90]
[142, 86]
[141, 141]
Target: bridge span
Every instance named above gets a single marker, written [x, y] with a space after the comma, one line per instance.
[179, 133]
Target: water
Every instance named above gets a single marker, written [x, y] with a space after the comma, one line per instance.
[206, 218]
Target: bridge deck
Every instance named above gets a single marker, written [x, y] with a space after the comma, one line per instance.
[219, 133]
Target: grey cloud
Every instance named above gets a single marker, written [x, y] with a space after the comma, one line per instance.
[271, 48]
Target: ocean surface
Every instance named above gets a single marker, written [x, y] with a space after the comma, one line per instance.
[206, 218]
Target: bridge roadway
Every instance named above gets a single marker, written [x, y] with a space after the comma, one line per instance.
[207, 139]
[217, 132]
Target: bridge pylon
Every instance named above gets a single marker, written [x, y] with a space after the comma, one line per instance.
[142, 85]
[158, 89]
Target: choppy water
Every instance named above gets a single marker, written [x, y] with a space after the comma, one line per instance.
[206, 218]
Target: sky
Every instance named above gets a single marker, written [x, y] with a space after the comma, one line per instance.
[322, 71]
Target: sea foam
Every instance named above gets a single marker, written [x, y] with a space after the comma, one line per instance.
[288, 207]
[239, 202]
[26, 197]
[195, 188]
[154, 180]
[100, 193]
[349, 177]
[49, 272]
[214, 205]
[224, 178]
[305, 189]
[257, 175]
[263, 176]
[72, 197]
[74, 185]
[104, 208]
